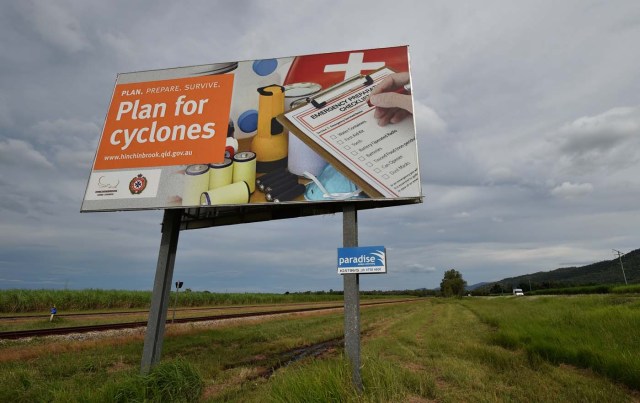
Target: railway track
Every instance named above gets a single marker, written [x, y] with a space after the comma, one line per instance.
[19, 334]
[121, 313]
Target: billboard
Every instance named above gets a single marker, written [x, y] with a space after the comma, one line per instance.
[304, 129]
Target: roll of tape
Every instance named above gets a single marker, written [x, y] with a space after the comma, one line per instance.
[236, 193]
[303, 159]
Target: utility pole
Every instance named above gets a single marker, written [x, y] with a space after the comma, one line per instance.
[621, 266]
[175, 305]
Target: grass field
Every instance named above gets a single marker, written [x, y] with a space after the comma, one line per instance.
[597, 332]
[589, 289]
[21, 301]
[449, 350]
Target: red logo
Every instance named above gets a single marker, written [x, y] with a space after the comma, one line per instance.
[138, 184]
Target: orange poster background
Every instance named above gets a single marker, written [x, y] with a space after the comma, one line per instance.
[209, 94]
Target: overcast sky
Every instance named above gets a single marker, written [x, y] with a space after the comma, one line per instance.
[527, 116]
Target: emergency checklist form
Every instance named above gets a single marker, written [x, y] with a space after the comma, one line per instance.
[341, 122]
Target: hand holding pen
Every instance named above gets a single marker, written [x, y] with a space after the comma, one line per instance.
[392, 99]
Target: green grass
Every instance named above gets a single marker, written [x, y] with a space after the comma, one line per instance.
[598, 332]
[16, 301]
[626, 289]
[439, 351]
[172, 381]
[20, 301]
[589, 289]
[471, 349]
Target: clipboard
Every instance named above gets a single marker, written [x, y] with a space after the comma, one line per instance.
[319, 101]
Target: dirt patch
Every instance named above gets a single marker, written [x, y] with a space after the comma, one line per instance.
[257, 367]
[317, 350]
[285, 358]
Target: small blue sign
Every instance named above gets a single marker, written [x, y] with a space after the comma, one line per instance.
[362, 260]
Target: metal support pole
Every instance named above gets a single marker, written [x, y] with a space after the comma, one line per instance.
[161, 290]
[352, 296]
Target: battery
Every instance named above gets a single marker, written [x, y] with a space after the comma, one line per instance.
[289, 179]
[279, 189]
[269, 175]
[236, 193]
[220, 174]
[196, 181]
[244, 169]
[290, 194]
[283, 174]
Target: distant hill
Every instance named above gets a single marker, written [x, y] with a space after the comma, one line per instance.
[605, 272]
[475, 286]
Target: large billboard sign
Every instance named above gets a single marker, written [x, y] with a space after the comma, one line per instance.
[304, 129]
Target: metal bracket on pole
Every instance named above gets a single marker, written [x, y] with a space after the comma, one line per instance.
[161, 290]
[352, 296]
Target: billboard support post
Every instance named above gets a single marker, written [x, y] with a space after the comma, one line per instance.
[352, 296]
[161, 290]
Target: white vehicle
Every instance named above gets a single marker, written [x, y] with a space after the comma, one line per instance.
[518, 291]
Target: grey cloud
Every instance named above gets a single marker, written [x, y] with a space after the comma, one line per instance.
[68, 132]
[5, 115]
[71, 143]
[56, 24]
[121, 44]
[608, 141]
[418, 268]
[428, 122]
[21, 154]
[568, 190]
[14, 204]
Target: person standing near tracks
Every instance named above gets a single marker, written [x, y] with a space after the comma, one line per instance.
[54, 311]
